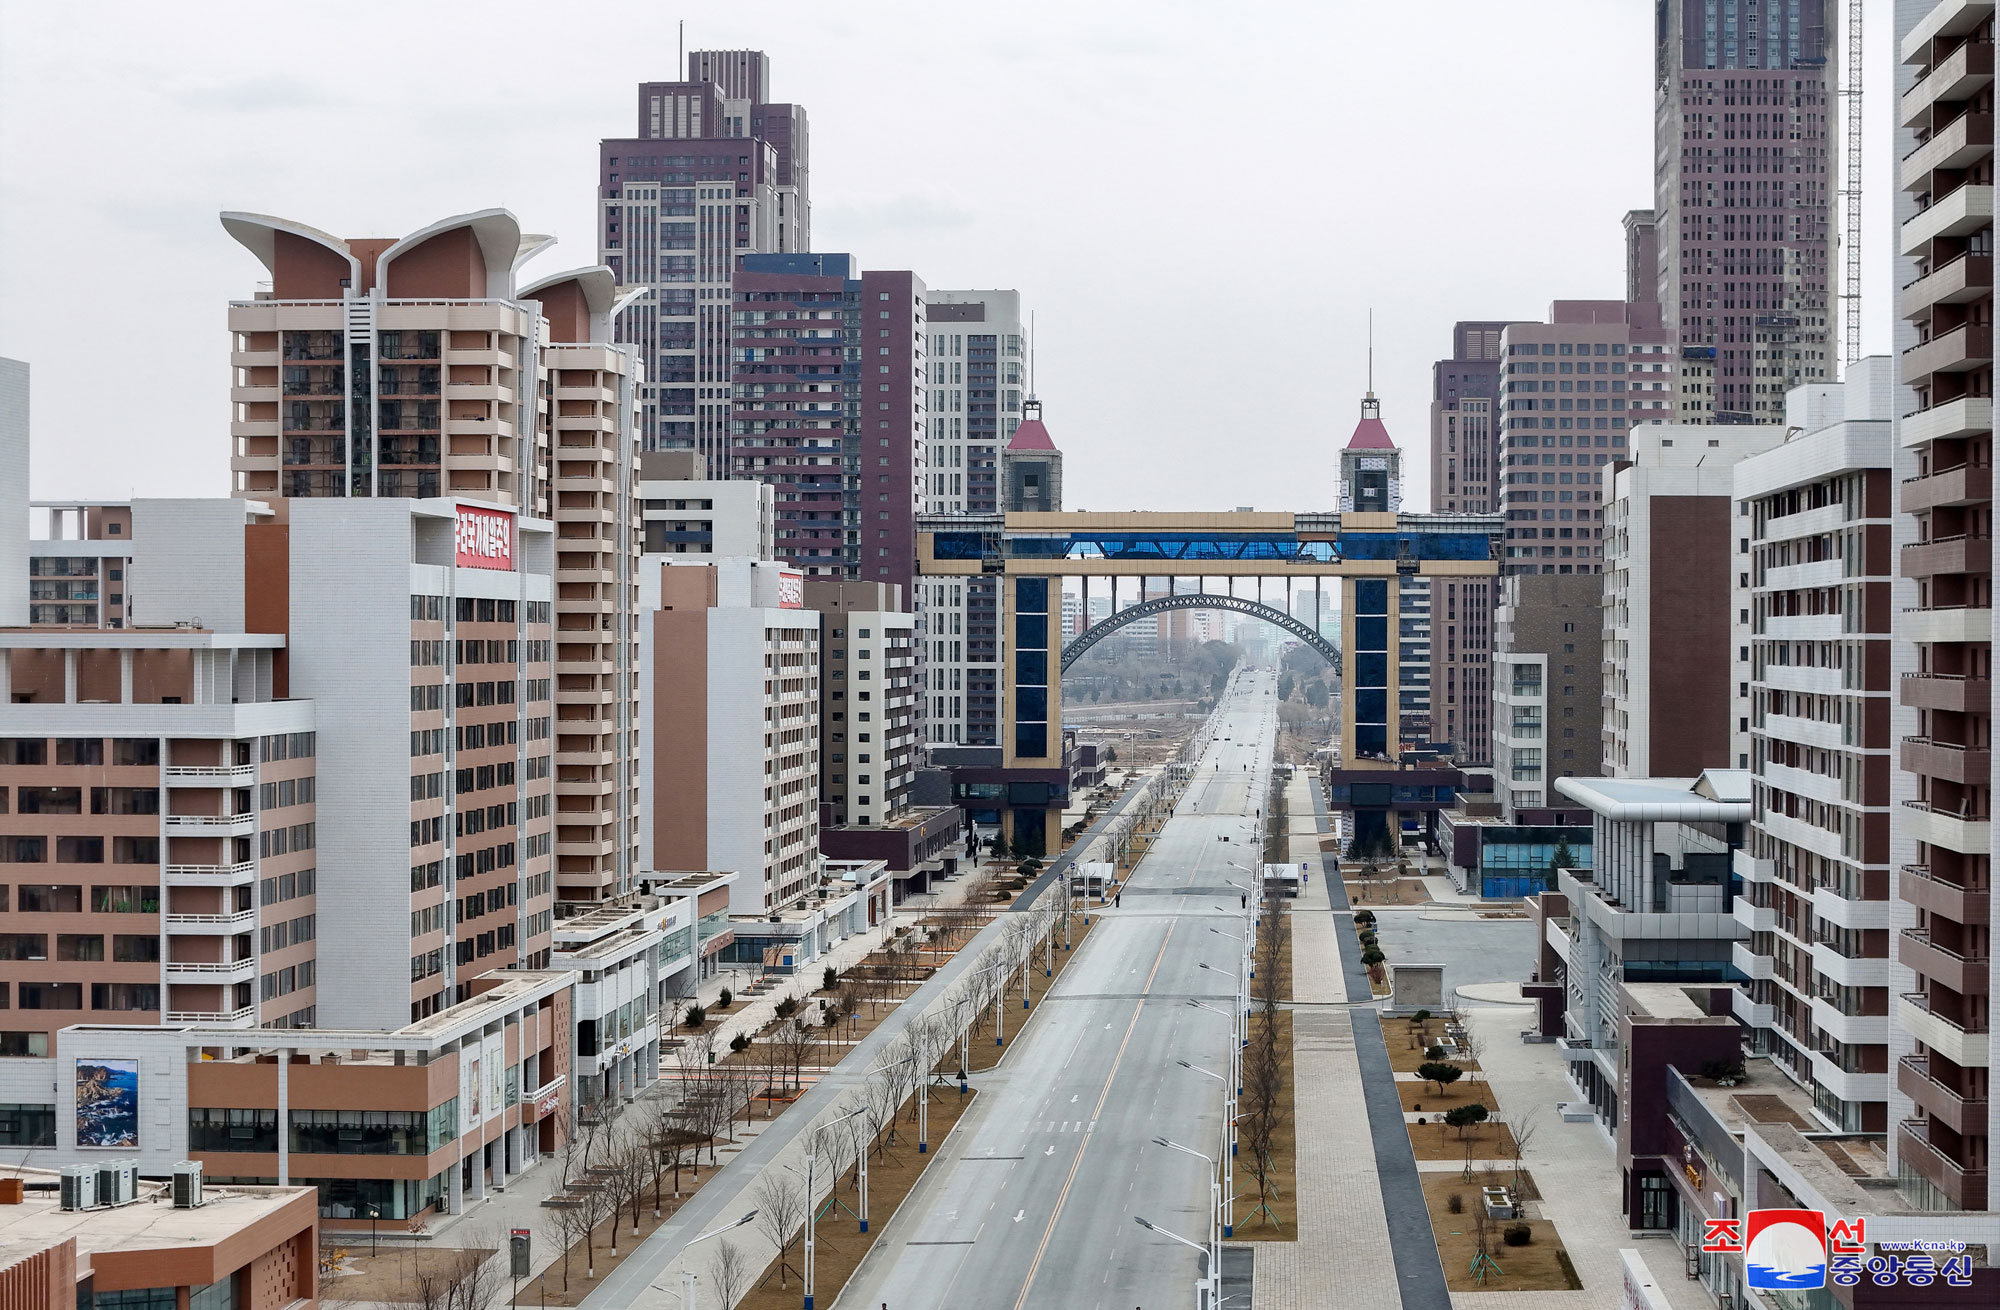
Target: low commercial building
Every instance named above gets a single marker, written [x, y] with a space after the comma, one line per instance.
[239, 1248]
[619, 951]
[705, 901]
[389, 1125]
[1654, 908]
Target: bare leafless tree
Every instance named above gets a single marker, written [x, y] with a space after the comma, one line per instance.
[794, 1044]
[1523, 1132]
[729, 1273]
[781, 1212]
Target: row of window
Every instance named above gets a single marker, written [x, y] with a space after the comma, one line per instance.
[323, 1132]
[80, 750]
[78, 850]
[79, 946]
[69, 996]
[283, 982]
[283, 841]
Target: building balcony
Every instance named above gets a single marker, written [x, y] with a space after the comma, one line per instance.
[238, 775]
[1963, 141]
[212, 971]
[1957, 76]
[1963, 974]
[1939, 759]
[1756, 918]
[1964, 1188]
[194, 924]
[1850, 1029]
[1968, 835]
[1748, 962]
[243, 1018]
[1956, 214]
[1969, 277]
[1947, 691]
[1960, 350]
[1956, 1112]
[1925, 890]
[211, 825]
[1946, 623]
[1966, 416]
[1749, 1012]
[1965, 1047]
[1848, 970]
[211, 875]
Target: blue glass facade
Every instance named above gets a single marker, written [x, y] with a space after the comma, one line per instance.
[1029, 684]
[1219, 547]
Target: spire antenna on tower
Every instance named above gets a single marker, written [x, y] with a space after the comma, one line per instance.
[1371, 351]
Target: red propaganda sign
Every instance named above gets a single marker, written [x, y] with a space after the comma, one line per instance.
[791, 589]
[485, 539]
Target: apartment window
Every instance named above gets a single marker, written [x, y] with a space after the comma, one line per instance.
[27, 1125]
[79, 946]
[42, 898]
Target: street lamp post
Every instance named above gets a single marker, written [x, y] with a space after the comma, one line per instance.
[812, 1162]
[1208, 1289]
[1229, 1142]
[687, 1275]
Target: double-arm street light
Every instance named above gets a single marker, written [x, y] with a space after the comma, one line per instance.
[1228, 1147]
[1208, 1288]
[812, 1198]
[687, 1275]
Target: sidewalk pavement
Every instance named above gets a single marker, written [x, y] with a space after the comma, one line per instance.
[1576, 1172]
[1343, 1236]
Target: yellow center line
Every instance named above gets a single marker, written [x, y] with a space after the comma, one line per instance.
[1041, 1248]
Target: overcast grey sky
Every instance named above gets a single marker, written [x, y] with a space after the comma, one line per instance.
[1201, 202]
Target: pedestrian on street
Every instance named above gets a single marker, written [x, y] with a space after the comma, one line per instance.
[1118, 902]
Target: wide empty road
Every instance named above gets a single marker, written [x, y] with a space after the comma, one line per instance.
[1032, 1201]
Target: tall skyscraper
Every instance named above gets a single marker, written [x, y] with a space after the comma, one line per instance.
[418, 368]
[1743, 113]
[975, 395]
[712, 171]
[1942, 1112]
[1570, 392]
[1465, 471]
[830, 408]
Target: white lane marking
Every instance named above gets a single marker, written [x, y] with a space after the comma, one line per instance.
[1050, 1151]
[1072, 1100]
[1019, 1215]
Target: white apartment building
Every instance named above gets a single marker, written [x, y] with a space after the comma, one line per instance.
[424, 367]
[868, 700]
[976, 390]
[730, 666]
[1816, 863]
[686, 515]
[621, 952]
[1674, 548]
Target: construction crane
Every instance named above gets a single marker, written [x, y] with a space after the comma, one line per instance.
[1850, 192]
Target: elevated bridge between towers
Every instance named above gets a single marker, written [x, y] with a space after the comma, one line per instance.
[1029, 554]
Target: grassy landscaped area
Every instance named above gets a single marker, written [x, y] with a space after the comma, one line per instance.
[1540, 1266]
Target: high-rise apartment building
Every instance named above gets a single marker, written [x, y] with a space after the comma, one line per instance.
[420, 367]
[1547, 630]
[1571, 391]
[1815, 867]
[1465, 471]
[80, 565]
[712, 171]
[731, 661]
[868, 701]
[1744, 110]
[1676, 605]
[1945, 1117]
[684, 513]
[976, 385]
[829, 367]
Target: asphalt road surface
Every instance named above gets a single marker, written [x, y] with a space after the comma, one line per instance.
[1031, 1202]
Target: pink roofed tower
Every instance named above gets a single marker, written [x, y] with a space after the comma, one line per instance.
[1371, 468]
[1031, 466]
